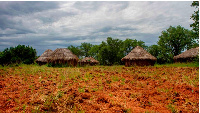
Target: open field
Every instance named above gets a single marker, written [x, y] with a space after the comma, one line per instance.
[31, 88]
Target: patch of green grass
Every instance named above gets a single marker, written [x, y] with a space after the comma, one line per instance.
[95, 89]
[24, 108]
[81, 111]
[111, 95]
[59, 94]
[123, 81]
[81, 90]
[101, 87]
[161, 90]
[115, 78]
[172, 108]
[127, 110]
[191, 81]
[189, 64]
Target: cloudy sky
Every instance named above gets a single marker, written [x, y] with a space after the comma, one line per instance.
[51, 25]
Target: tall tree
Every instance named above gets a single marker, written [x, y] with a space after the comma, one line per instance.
[75, 50]
[129, 44]
[154, 50]
[173, 41]
[110, 52]
[195, 17]
[115, 51]
[19, 54]
[85, 48]
[94, 51]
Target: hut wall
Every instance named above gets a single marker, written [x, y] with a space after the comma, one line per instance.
[139, 63]
[72, 62]
[87, 63]
[41, 63]
[184, 60]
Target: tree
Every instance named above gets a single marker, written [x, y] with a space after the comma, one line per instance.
[75, 50]
[173, 41]
[115, 51]
[154, 50]
[94, 51]
[20, 54]
[85, 48]
[104, 55]
[195, 17]
[110, 52]
[129, 44]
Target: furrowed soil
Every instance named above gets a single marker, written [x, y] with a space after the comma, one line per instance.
[30, 88]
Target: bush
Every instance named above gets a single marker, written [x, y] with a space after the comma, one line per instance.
[57, 65]
[19, 54]
[196, 61]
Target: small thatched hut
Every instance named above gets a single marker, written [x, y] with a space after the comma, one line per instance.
[43, 58]
[63, 56]
[187, 56]
[140, 57]
[88, 61]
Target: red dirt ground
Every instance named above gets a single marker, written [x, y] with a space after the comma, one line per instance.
[99, 89]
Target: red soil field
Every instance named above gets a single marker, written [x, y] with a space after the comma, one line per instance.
[98, 89]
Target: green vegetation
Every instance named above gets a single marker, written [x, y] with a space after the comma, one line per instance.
[172, 108]
[16, 55]
[195, 17]
[188, 64]
[171, 43]
[109, 52]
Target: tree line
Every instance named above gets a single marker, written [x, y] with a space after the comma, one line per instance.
[19, 54]
[109, 52]
[172, 42]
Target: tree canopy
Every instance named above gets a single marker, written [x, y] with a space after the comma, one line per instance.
[19, 54]
[195, 17]
[109, 52]
[172, 42]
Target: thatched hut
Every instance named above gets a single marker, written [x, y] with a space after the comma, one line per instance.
[88, 61]
[63, 56]
[187, 56]
[43, 58]
[140, 57]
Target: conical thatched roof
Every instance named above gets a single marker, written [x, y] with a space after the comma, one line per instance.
[188, 54]
[138, 53]
[44, 56]
[89, 59]
[62, 54]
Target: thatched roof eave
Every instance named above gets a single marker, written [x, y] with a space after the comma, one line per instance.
[191, 53]
[44, 56]
[138, 53]
[62, 54]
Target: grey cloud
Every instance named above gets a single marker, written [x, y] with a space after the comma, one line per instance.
[51, 25]
[6, 22]
[119, 29]
[15, 8]
[93, 6]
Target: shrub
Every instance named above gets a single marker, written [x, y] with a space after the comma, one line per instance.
[16, 55]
